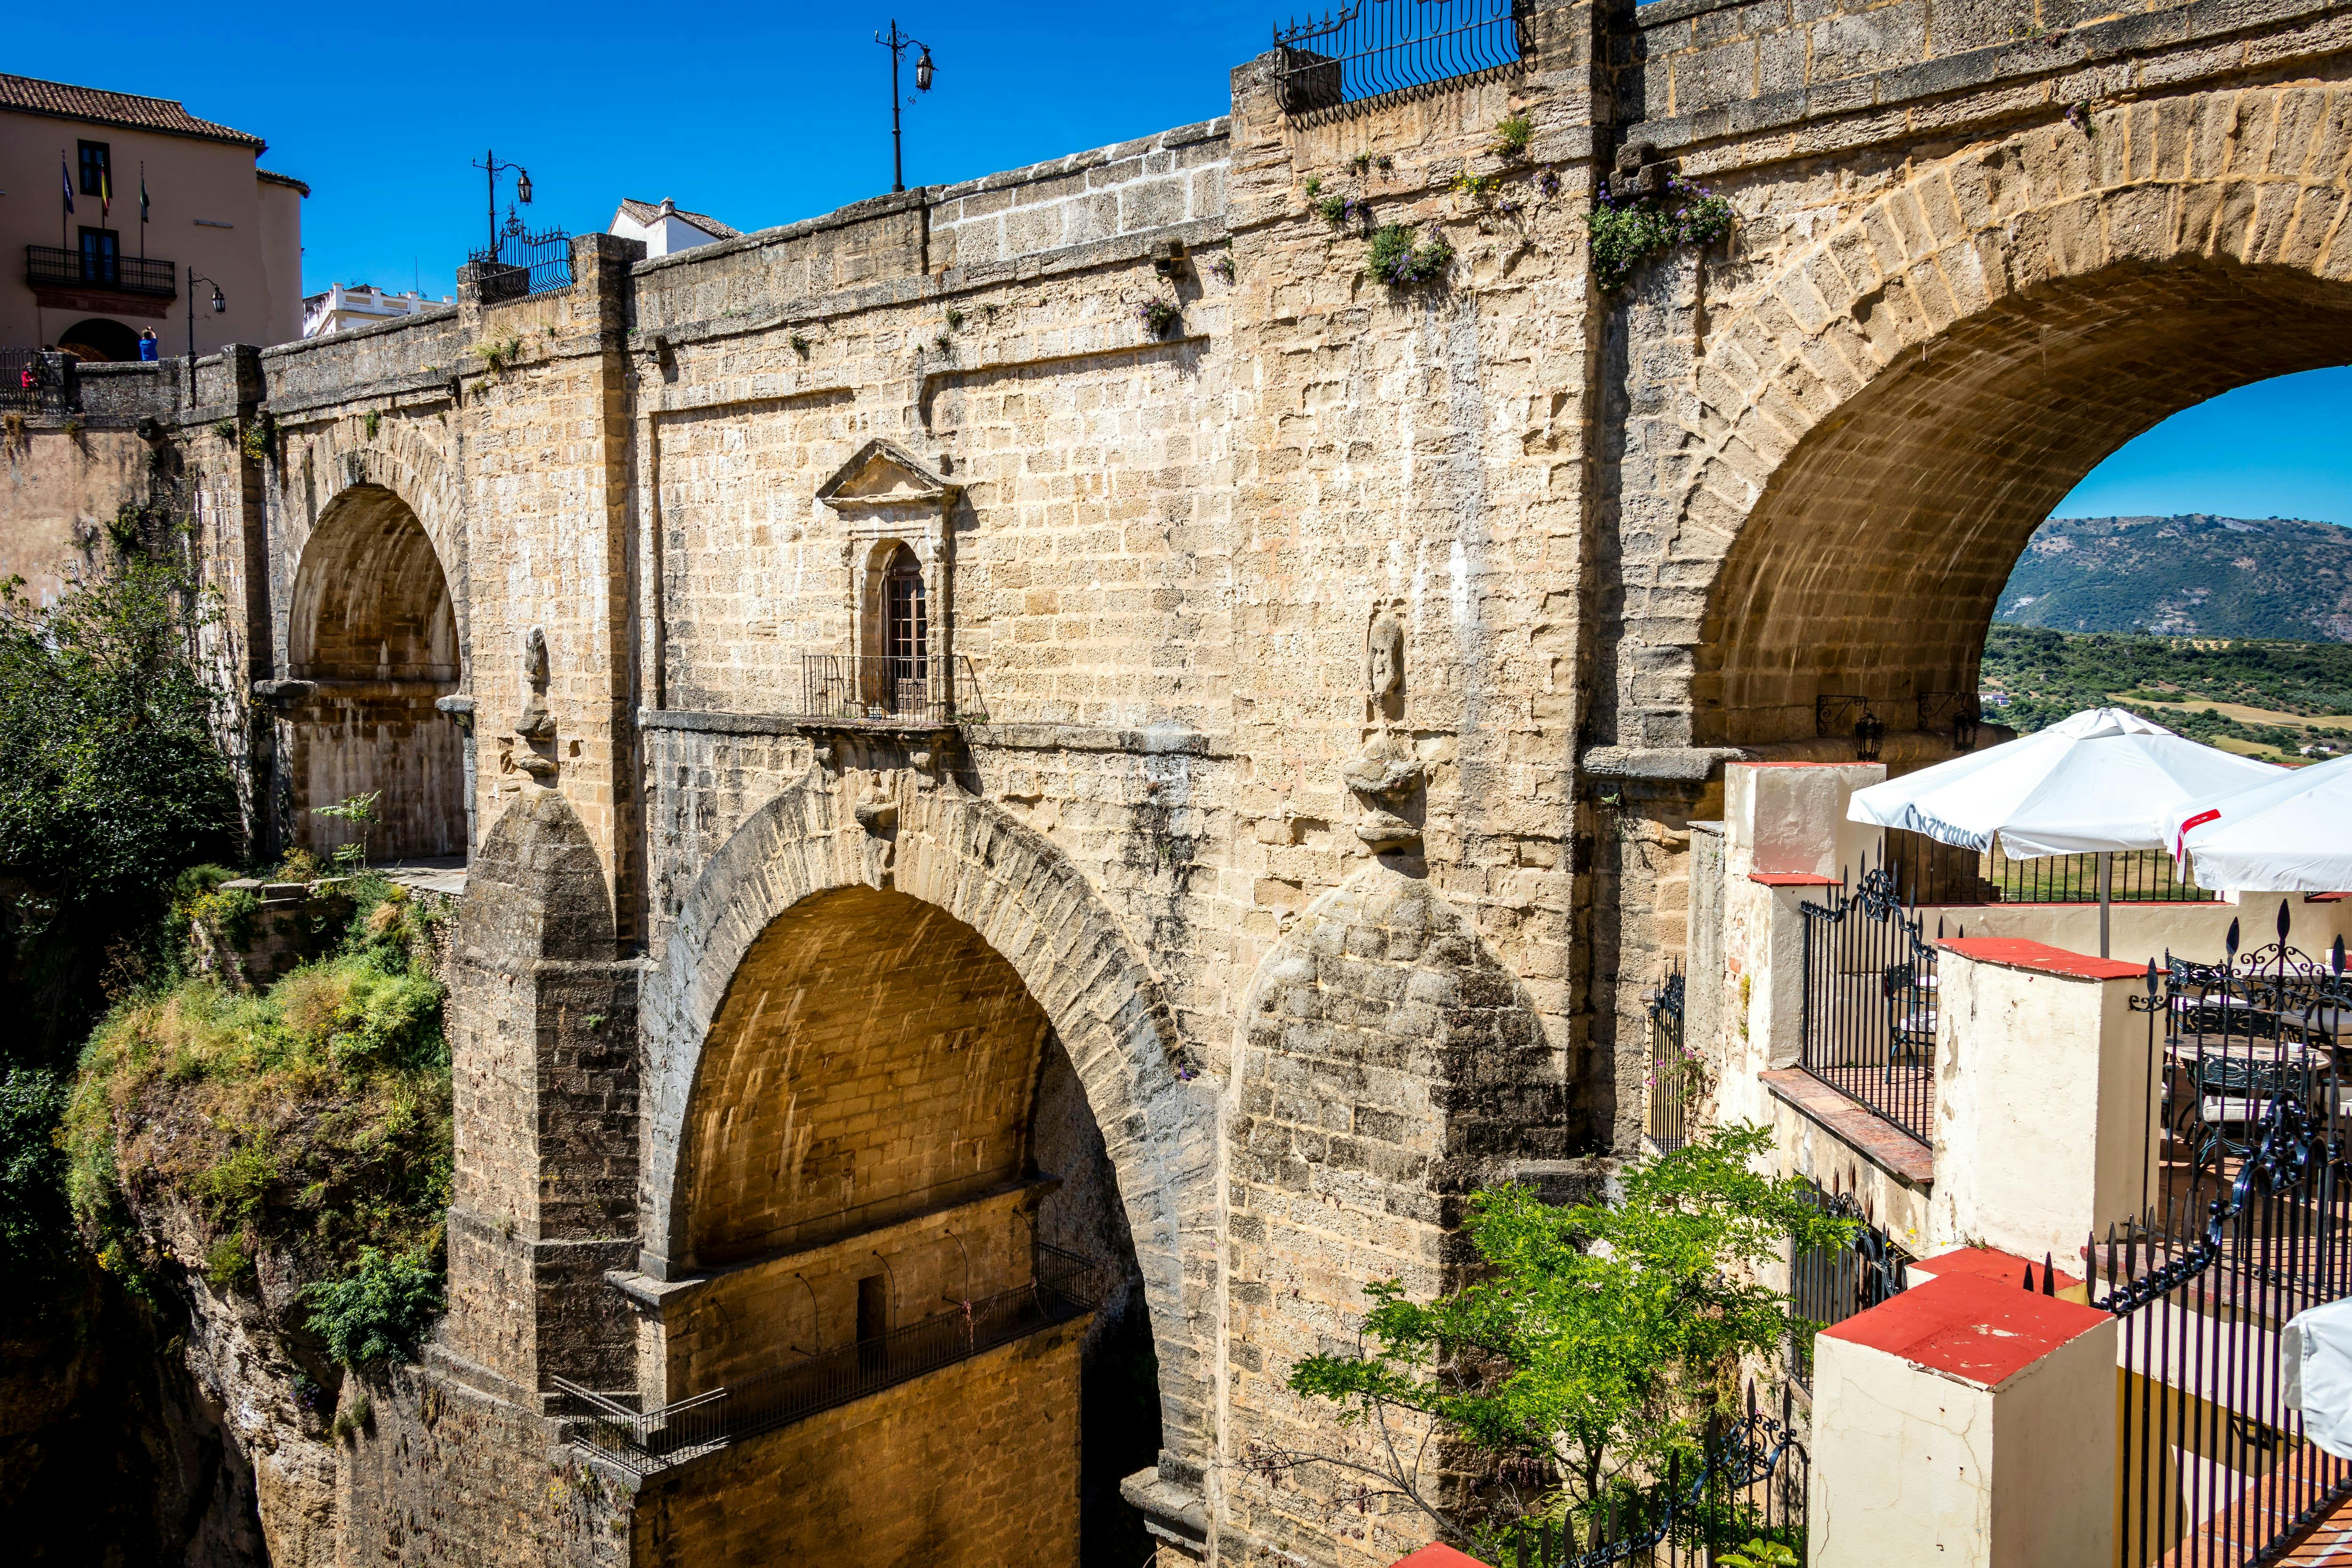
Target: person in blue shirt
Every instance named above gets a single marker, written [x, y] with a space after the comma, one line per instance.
[148, 347]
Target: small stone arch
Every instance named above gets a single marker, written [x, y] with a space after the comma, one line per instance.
[372, 646]
[1877, 426]
[1035, 911]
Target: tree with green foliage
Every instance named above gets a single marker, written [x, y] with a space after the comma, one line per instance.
[33, 1229]
[112, 779]
[1588, 1353]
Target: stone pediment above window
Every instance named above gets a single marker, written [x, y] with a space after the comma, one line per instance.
[883, 474]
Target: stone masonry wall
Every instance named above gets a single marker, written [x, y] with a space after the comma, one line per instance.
[1341, 672]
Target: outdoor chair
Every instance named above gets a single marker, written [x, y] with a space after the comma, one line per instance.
[2237, 1091]
[1910, 1013]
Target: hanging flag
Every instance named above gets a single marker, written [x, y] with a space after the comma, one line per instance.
[143, 192]
[65, 173]
[105, 193]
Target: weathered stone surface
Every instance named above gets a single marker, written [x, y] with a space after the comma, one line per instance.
[1598, 542]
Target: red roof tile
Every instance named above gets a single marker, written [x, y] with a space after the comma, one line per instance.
[2019, 953]
[1967, 1327]
[646, 212]
[1791, 879]
[1437, 1556]
[30, 95]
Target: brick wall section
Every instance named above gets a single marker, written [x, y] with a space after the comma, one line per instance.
[872, 1054]
[976, 1464]
[542, 1037]
[1135, 187]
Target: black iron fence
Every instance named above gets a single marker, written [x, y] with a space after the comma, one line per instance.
[1928, 872]
[1064, 1286]
[1830, 1284]
[1744, 1480]
[53, 266]
[2245, 1218]
[1870, 1001]
[523, 263]
[32, 381]
[881, 690]
[1677, 1078]
[1373, 48]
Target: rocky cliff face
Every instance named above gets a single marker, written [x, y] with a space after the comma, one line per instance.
[111, 1453]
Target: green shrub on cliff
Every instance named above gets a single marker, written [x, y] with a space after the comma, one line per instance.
[309, 1123]
[381, 1311]
[31, 1168]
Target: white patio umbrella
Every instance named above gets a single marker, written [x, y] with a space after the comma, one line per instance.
[2288, 833]
[2100, 781]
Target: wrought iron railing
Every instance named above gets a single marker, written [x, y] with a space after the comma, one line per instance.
[1064, 1286]
[879, 690]
[1926, 871]
[2245, 1221]
[1675, 1078]
[52, 266]
[1746, 1480]
[1870, 1001]
[1376, 49]
[523, 263]
[32, 381]
[1830, 1284]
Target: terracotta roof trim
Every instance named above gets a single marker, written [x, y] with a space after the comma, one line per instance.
[271, 177]
[131, 110]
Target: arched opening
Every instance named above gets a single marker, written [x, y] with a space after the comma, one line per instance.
[374, 630]
[885, 1152]
[1866, 572]
[98, 339]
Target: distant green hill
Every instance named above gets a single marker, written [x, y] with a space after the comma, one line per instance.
[2194, 576]
[2283, 702]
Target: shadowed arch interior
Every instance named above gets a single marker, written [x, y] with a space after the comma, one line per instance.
[1872, 561]
[373, 628]
[873, 1056]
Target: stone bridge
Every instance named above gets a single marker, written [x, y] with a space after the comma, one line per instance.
[948, 764]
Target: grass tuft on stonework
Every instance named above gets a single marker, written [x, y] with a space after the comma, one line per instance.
[306, 1127]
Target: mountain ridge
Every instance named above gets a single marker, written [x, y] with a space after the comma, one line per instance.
[2192, 574]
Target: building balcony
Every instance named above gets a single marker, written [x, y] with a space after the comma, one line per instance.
[887, 692]
[49, 266]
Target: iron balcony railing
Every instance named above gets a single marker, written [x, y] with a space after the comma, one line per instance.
[1828, 1285]
[1674, 1076]
[523, 263]
[1376, 49]
[1064, 1286]
[887, 691]
[1870, 1001]
[52, 266]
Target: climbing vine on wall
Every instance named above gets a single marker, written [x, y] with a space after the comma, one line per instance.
[1629, 230]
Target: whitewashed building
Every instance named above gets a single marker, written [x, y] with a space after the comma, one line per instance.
[666, 228]
[343, 306]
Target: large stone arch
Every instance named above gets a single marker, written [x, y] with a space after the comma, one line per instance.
[1871, 435]
[372, 644]
[1036, 911]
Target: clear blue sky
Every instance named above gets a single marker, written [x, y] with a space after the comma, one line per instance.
[761, 115]
[758, 115]
[2279, 448]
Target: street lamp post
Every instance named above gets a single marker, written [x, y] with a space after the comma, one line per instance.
[220, 306]
[898, 43]
[491, 168]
